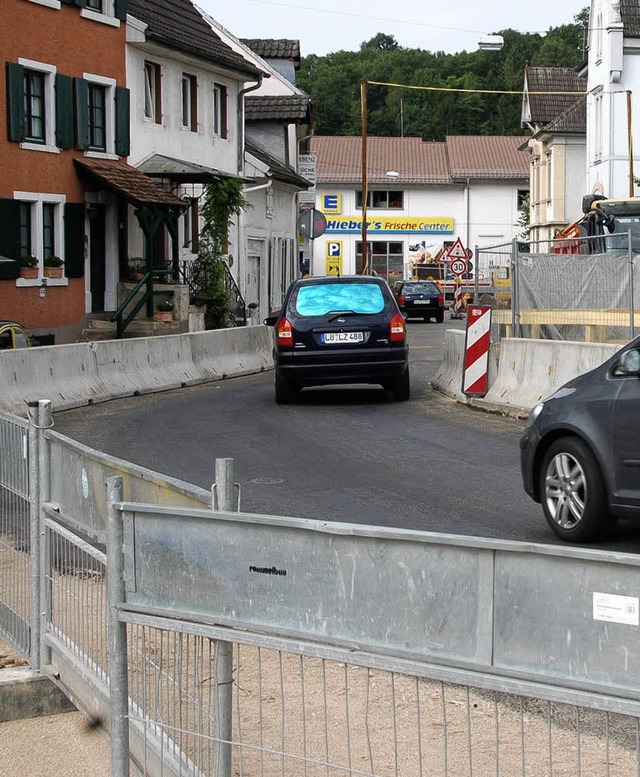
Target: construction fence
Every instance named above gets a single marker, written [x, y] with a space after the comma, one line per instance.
[545, 290]
[214, 642]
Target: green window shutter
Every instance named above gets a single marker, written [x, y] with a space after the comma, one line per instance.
[68, 2]
[80, 3]
[120, 10]
[122, 121]
[9, 238]
[81, 94]
[64, 111]
[74, 239]
[15, 101]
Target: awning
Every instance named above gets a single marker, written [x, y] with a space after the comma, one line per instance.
[128, 182]
[160, 166]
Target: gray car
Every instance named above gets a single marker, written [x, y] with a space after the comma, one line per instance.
[580, 451]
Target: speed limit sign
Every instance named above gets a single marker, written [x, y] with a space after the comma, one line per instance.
[458, 266]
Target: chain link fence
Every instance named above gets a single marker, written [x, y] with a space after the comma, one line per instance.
[552, 291]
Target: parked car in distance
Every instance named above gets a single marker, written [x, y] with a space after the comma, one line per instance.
[339, 330]
[580, 451]
[420, 299]
[13, 335]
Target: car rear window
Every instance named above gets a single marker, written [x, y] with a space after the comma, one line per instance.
[320, 299]
[421, 288]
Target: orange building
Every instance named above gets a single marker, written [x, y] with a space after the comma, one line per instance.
[63, 93]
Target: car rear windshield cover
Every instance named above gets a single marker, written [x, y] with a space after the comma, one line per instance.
[320, 299]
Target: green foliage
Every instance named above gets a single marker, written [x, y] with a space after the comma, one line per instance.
[222, 200]
[333, 83]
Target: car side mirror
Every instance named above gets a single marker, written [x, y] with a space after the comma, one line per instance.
[630, 362]
[270, 320]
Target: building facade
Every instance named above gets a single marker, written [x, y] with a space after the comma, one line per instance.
[422, 196]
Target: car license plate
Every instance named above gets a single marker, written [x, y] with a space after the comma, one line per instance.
[342, 337]
[421, 301]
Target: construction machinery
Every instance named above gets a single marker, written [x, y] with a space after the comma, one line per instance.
[604, 226]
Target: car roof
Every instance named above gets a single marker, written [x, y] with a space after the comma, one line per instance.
[311, 279]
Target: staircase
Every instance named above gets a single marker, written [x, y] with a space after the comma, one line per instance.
[102, 329]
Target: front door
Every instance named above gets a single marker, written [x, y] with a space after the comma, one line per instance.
[252, 281]
[97, 268]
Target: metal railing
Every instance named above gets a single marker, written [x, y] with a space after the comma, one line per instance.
[197, 283]
[211, 645]
[540, 290]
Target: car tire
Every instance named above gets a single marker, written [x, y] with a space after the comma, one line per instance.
[286, 392]
[573, 492]
[440, 317]
[401, 388]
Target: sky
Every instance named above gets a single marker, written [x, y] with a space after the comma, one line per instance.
[323, 26]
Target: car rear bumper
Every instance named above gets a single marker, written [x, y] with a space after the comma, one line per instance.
[346, 366]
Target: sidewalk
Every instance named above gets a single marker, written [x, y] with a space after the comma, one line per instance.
[50, 745]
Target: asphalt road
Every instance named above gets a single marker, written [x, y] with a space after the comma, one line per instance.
[340, 454]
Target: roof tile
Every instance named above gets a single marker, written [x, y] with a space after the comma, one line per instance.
[280, 48]
[284, 107]
[546, 107]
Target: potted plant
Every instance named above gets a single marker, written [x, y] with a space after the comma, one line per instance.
[164, 311]
[53, 267]
[29, 266]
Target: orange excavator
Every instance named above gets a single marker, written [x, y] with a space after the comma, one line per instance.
[605, 225]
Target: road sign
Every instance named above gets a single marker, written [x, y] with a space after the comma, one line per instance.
[458, 267]
[457, 251]
[476, 351]
[312, 223]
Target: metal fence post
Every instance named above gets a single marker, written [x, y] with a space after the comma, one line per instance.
[45, 421]
[39, 413]
[476, 277]
[223, 500]
[118, 682]
[632, 297]
[515, 311]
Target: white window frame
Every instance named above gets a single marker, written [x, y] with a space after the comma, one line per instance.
[597, 134]
[549, 175]
[151, 96]
[49, 72]
[110, 115]
[106, 17]
[220, 93]
[47, 3]
[188, 79]
[37, 200]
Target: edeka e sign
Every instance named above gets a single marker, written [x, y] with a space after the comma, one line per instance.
[386, 225]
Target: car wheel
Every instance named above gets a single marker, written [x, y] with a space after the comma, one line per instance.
[440, 317]
[286, 392]
[401, 388]
[573, 493]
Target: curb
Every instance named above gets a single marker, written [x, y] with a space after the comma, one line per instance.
[28, 694]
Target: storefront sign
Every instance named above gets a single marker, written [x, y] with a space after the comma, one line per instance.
[331, 203]
[385, 225]
[307, 169]
[334, 257]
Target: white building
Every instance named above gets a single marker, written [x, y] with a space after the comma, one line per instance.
[422, 195]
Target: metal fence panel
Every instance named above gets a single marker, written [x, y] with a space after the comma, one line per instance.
[297, 709]
[463, 601]
[15, 541]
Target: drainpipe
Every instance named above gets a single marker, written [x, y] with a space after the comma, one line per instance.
[259, 186]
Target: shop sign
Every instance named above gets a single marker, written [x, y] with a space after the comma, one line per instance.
[331, 203]
[385, 225]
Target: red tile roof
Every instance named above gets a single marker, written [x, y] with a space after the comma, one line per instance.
[127, 181]
[417, 161]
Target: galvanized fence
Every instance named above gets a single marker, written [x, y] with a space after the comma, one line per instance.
[545, 290]
[219, 643]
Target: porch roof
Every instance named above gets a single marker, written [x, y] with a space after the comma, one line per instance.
[160, 166]
[128, 182]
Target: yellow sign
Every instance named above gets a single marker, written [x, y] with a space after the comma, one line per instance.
[331, 203]
[333, 257]
[417, 225]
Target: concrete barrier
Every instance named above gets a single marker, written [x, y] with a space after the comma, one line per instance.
[530, 370]
[84, 373]
[448, 379]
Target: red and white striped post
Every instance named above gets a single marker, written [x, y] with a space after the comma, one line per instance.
[476, 351]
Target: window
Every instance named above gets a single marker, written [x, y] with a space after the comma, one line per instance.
[35, 117]
[320, 299]
[190, 222]
[190, 102]
[549, 176]
[97, 118]
[391, 199]
[41, 225]
[220, 111]
[153, 92]
[95, 5]
[25, 230]
[386, 258]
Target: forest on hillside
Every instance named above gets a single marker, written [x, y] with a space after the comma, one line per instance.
[333, 83]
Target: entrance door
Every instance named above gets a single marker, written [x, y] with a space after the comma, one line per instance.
[252, 283]
[97, 257]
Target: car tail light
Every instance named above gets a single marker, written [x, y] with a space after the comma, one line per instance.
[440, 299]
[401, 299]
[398, 329]
[284, 332]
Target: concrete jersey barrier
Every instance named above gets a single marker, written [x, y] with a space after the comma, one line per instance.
[448, 379]
[84, 373]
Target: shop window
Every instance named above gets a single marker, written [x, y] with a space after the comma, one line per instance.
[391, 199]
[386, 258]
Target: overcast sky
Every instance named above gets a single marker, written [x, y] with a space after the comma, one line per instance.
[323, 26]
